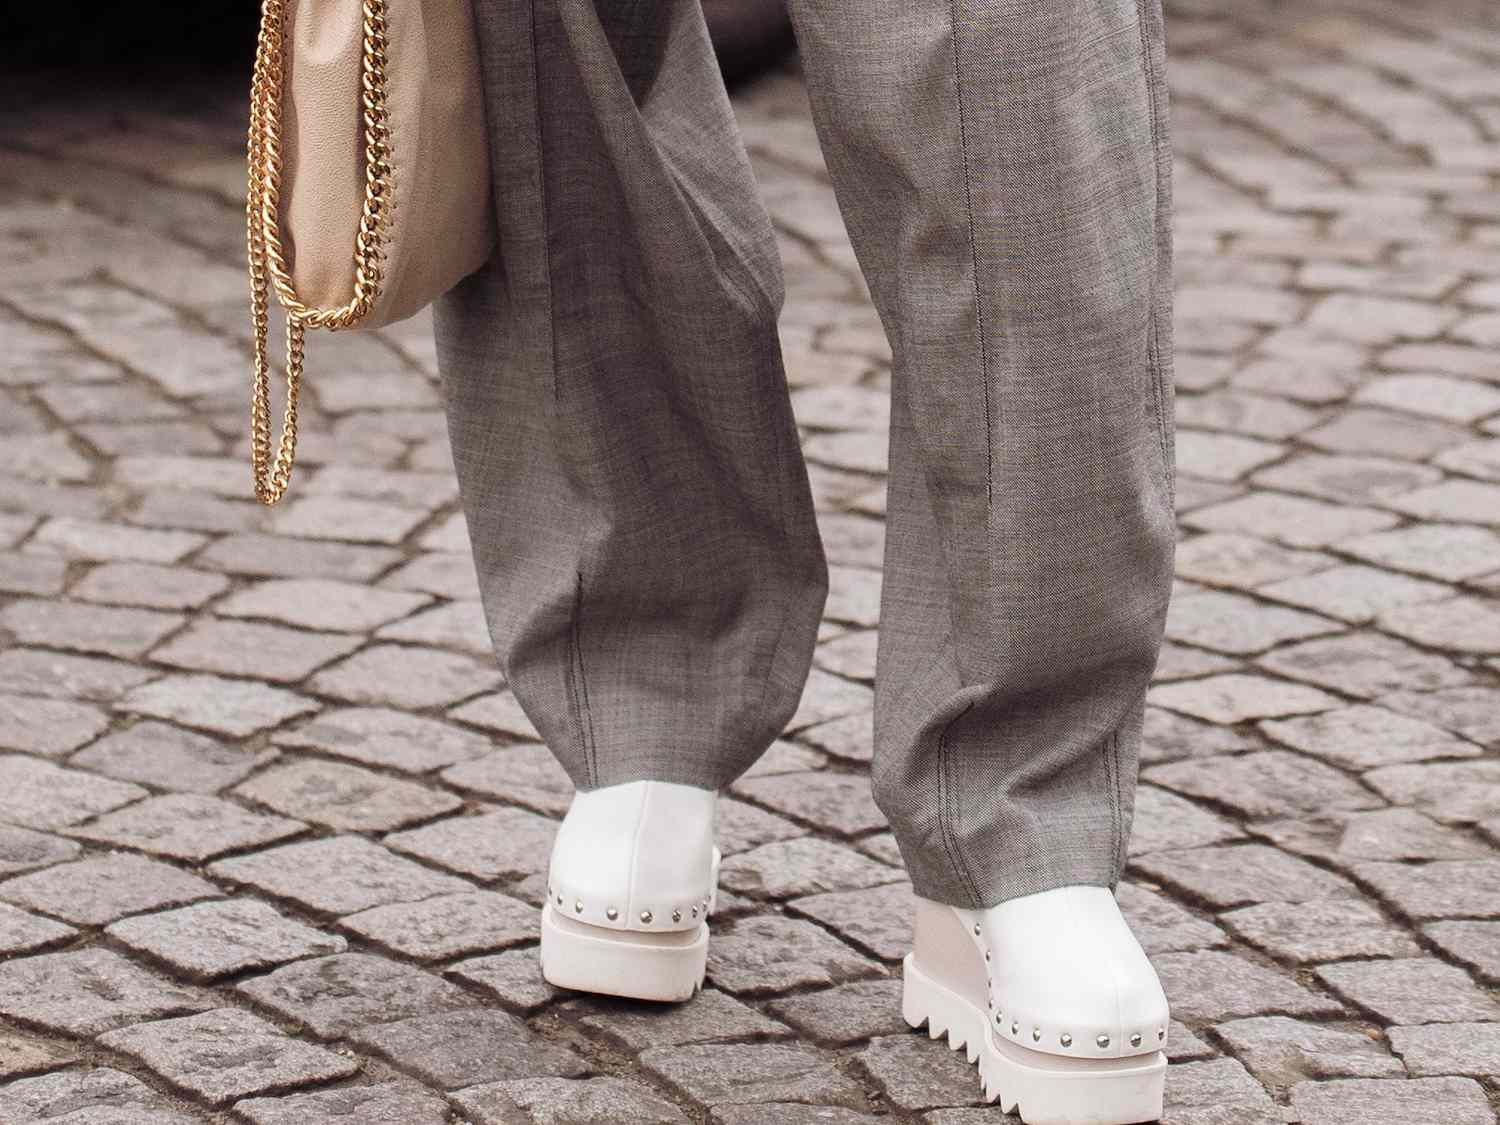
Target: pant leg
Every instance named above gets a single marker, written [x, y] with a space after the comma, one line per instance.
[639, 511]
[1003, 168]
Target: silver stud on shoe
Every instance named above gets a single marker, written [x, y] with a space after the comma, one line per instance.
[1161, 1033]
[578, 907]
[612, 914]
[976, 929]
[559, 900]
[695, 912]
[1103, 1041]
[1036, 1035]
[1065, 1039]
[997, 1018]
[646, 917]
[1135, 1040]
[986, 956]
[1015, 1028]
[677, 916]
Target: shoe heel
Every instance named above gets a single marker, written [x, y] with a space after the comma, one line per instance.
[642, 966]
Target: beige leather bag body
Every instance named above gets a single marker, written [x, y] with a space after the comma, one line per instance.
[369, 191]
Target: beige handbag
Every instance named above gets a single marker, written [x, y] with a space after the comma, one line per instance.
[369, 190]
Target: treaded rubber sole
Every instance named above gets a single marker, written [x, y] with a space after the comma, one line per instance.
[1046, 1089]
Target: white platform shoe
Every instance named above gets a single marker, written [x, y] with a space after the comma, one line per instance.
[1053, 997]
[633, 879]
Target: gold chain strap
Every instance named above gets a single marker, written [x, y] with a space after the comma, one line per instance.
[267, 260]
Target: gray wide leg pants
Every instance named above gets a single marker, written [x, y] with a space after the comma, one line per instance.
[638, 505]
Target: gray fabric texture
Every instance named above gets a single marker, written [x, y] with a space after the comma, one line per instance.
[639, 510]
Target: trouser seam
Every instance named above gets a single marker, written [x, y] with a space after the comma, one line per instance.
[579, 686]
[984, 362]
[948, 814]
[1153, 343]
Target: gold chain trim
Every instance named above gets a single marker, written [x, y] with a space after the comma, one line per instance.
[267, 260]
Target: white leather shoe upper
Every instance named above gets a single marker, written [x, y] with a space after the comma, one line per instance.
[1066, 975]
[636, 856]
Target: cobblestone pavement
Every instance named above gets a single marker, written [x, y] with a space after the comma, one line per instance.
[273, 829]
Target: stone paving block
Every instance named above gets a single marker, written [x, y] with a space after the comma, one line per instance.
[1475, 943]
[712, 1016]
[187, 826]
[1437, 396]
[32, 574]
[236, 708]
[85, 991]
[1238, 625]
[1282, 1052]
[1384, 433]
[274, 556]
[878, 919]
[1244, 561]
[21, 932]
[851, 737]
[344, 797]
[216, 939]
[1452, 501]
[1450, 792]
[1364, 736]
[224, 1054]
[1445, 889]
[802, 866]
[406, 676]
[253, 650]
[514, 978]
[102, 630]
[1355, 593]
[916, 1074]
[1209, 985]
[506, 843]
[113, 542]
[51, 727]
[41, 795]
[740, 1073]
[320, 603]
[24, 850]
[1411, 990]
[463, 1048]
[43, 457]
[1296, 521]
[337, 995]
[320, 517]
[1471, 1049]
[783, 757]
[447, 574]
[1165, 821]
[832, 802]
[1222, 457]
[768, 954]
[338, 875]
[1464, 625]
[379, 736]
[451, 925]
[96, 1096]
[827, 697]
[384, 1103]
[1243, 874]
[845, 1014]
[1217, 1092]
[851, 655]
[1320, 931]
[1236, 697]
[499, 713]
[1160, 924]
[58, 675]
[169, 757]
[23, 1054]
[1473, 712]
[148, 586]
[1384, 834]
[454, 625]
[1448, 552]
[1179, 662]
[98, 889]
[523, 775]
[1266, 783]
[790, 1113]
[1166, 736]
[566, 1101]
[1365, 665]
[1371, 1101]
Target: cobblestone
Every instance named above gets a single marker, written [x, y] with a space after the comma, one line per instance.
[1314, 860]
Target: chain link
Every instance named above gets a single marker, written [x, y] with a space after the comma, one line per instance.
[267, 260]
